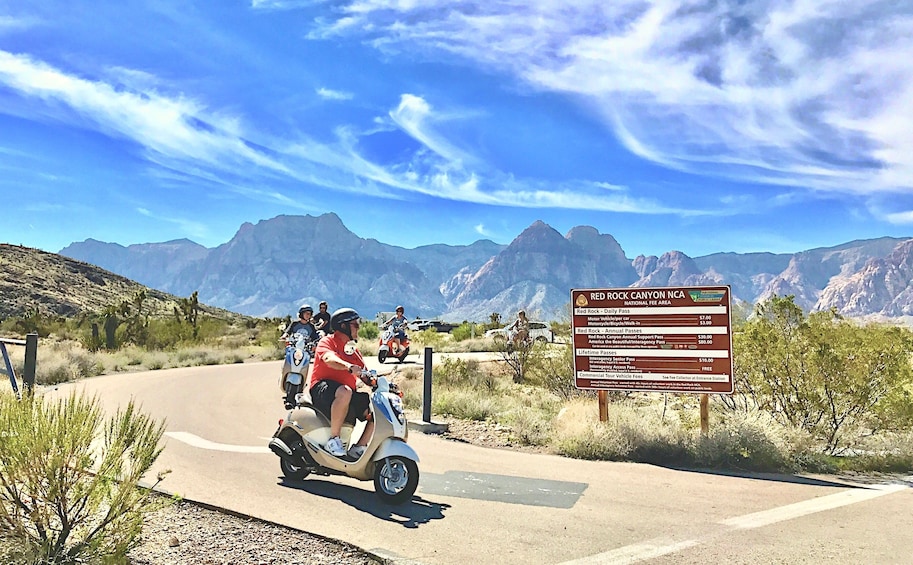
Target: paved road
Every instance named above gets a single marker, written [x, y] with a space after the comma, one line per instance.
[477, 505]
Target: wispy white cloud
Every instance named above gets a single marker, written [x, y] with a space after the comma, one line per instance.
[415, 116]
[183, 136]
[329, 94]
[900, 218]
[480, 229]
[177, 127]
[802, 92]
[11, 23]
[283, 4]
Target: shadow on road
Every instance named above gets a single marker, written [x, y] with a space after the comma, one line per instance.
[412, 514]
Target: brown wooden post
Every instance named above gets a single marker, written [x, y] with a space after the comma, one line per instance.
[705, 414]
[603, 406]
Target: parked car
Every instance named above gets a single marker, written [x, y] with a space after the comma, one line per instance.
[434, 325]
[538, 331]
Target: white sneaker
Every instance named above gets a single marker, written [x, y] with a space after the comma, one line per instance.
[334, 446]
[356, 451]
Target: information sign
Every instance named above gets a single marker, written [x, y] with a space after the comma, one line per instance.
[675, 339]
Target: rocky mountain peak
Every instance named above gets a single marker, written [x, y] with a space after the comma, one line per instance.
[672, 268]
[539, 237]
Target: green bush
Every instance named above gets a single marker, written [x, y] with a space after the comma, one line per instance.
[467, 405]
[460, 373]
[824, 374]
[368, 330]
[553, 369]
[65, 499]
[467, 330]
[428, 338]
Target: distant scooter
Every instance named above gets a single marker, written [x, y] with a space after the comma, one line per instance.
[387, 459]
[298, 353]
[386, 345]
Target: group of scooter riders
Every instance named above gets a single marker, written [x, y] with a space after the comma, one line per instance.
[337, 364]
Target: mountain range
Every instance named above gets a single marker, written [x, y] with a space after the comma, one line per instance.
[271, 268]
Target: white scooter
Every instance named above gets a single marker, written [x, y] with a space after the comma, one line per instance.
[298, 353]
[387, 459]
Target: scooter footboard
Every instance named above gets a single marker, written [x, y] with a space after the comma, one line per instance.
[391, 447]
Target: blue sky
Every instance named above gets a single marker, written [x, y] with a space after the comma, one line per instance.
[700, 126]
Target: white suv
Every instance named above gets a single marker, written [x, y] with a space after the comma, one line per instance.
[538, 331]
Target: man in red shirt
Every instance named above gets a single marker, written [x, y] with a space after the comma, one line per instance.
[332, 382]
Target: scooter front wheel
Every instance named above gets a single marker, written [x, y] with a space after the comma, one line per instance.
[290, 471]
[381, 356]
[395, 479]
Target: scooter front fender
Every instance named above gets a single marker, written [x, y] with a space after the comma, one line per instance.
[394, 446]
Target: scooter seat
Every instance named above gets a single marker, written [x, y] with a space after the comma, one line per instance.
[304, 399]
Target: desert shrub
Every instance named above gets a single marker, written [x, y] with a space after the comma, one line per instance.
[465, 404]
[60, 361]
[553, 369]
[824, 374]
[468, 330]
[468, 374]
[191, 357]
[157, 360]
[888, 453]
[744, 441]
[427, 338]
[167, 333]
[530, 427]
[630, 434]
[70, 479]
[368, 330]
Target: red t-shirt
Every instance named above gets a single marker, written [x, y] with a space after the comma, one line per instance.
[320, 371]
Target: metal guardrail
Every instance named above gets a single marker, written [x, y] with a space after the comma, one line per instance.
[28, 370]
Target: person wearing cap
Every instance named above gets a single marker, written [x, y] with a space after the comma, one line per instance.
[334, 378]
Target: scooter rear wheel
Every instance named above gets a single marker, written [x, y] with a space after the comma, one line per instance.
[292, 472]
[395, 479]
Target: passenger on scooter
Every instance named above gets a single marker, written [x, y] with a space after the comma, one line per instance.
[302, 325]
[398, 323]
[322, 318]
[332, 382]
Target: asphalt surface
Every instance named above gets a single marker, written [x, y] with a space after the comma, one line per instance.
[496, 506]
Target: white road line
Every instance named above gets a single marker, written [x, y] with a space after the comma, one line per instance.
[657, 547]
[790, 511]
[634, 553]
[197, 441]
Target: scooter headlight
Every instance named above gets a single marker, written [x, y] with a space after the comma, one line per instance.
[396, 406]
[397, 403]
